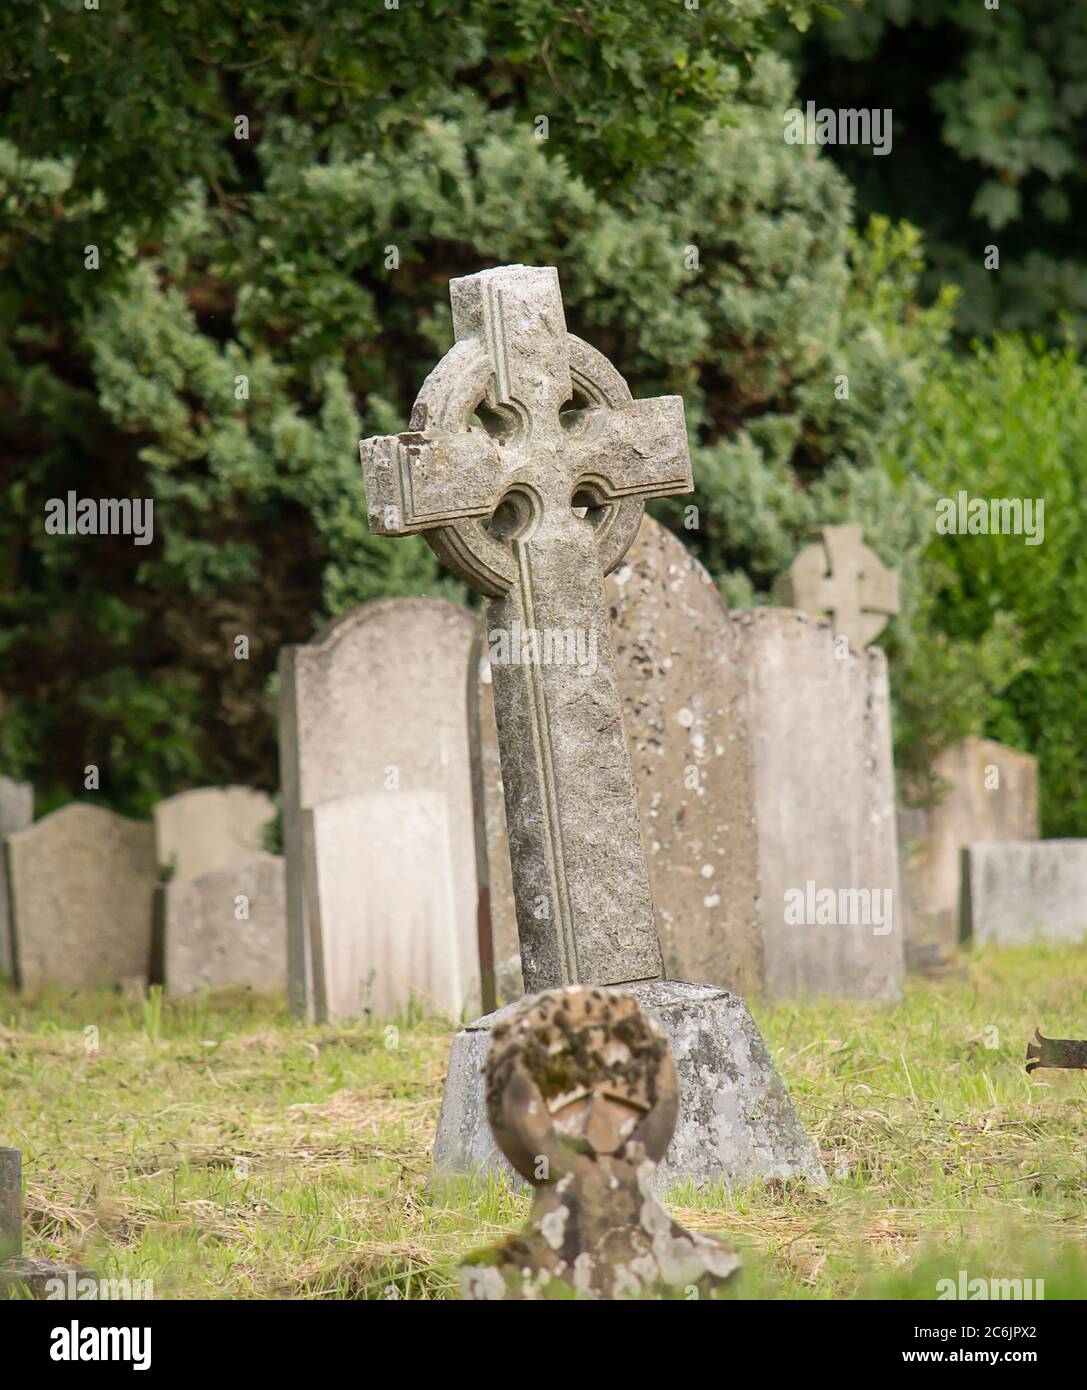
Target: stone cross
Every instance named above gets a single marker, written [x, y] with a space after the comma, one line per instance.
[527, 466]
[841, 576]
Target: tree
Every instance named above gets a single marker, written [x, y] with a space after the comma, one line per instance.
[272, 289]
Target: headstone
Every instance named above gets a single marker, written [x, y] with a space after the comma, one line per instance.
[1015, 894]
[988, 792]
[841, 577]
[818, 726]
[582, 1097]
[682, 685]
[16, 813]
[382, 877]
[81, 882]
[375, 707]
[209, 828]
[501, 503]
[763, 759]
[226, 928]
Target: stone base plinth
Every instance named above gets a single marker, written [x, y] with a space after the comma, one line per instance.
[736, 1123]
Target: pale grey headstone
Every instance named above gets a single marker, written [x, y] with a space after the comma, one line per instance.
[209, 828]
[680, 672]
[818, 724]
[376, 705]
[1015, 894]
[82, 881]
[226, 928]
[384, 890]
[16, 813]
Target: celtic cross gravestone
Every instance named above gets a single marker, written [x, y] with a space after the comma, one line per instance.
[527, 466]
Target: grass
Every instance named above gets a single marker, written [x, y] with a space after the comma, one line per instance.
[222, 1150]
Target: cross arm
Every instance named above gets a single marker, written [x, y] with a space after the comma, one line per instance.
[426, 478]
[637, 450]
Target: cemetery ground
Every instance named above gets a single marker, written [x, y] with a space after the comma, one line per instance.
[223, 1150]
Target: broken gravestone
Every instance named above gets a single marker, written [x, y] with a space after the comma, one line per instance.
[583, 1098]
[374, 743]
[533, 507]
[16, 813]
[840, 577]
[81, 885]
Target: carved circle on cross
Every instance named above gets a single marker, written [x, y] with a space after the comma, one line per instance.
[478, 550]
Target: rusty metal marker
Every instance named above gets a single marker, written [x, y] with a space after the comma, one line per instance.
[1056, 1052]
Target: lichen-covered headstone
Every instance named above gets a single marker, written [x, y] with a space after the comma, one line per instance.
[376, 706]
[582, 1097]
[526, 467]
[81, 883]
[762, 754]
[16, 813]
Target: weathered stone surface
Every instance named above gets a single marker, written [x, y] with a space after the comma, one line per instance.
[16, 813]
[819, 729]
[500, 949]
[788, 739]
[11, 1203]
[582, 1099]
[678, 655]
[841, 577]
[677, 661]
[561, 430]
[27, 1276]
[492, 843]
[384, 888]
[561, 471]
[736, 1122]
[376, 705]
[989, 793]
[197, 832]
[81, 882]
[226, 928]
[1014, 894]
